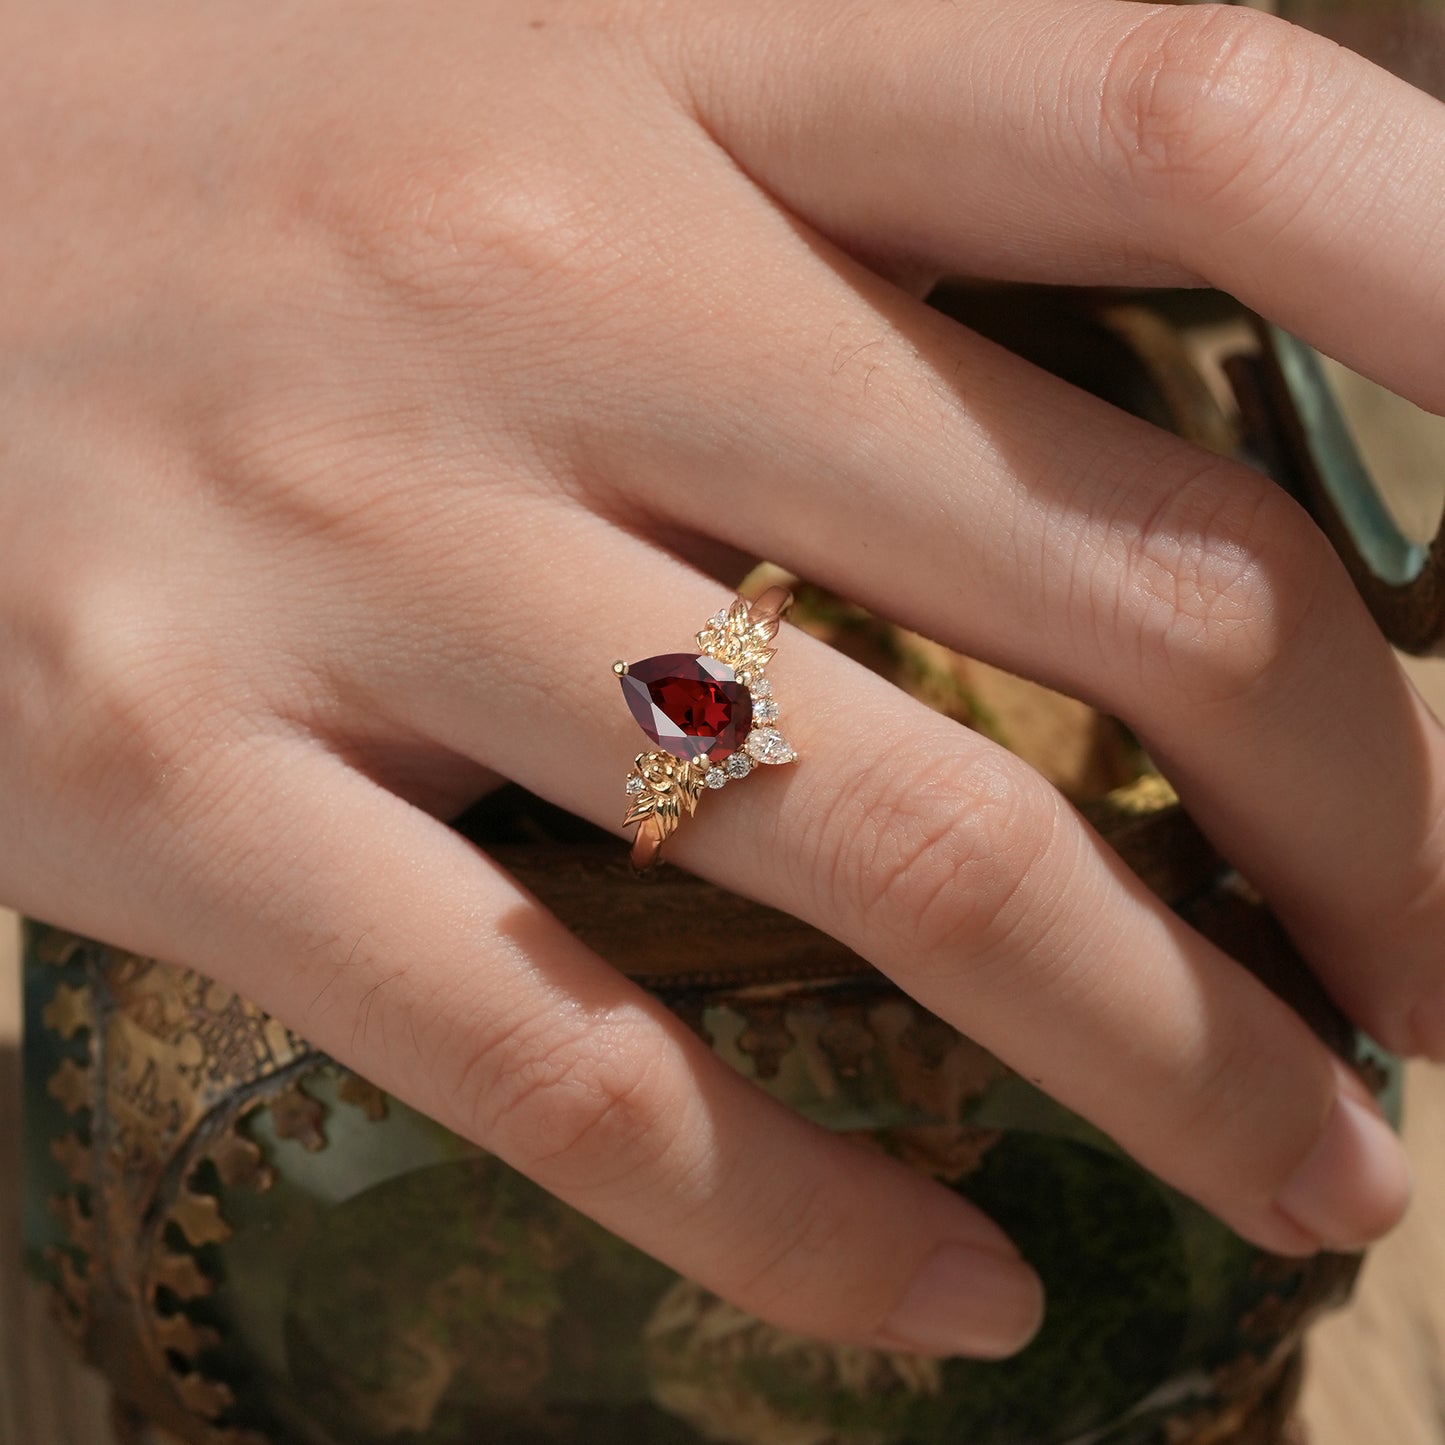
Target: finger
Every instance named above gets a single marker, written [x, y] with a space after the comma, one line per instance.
[894, 456]
[1103, 141]
[950, 865]
[398, 948]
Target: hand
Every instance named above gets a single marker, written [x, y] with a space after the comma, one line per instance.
[374, 376]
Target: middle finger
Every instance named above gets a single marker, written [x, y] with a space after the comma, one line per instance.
[902, 460]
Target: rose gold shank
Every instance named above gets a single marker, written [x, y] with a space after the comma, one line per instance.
[646, 846]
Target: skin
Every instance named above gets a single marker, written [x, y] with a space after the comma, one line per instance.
[371, 376]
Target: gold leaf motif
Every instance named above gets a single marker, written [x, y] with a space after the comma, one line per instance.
[180, 1274]
[72, 1156]
[74, 1324]
[950, 1152]
[74, 1285]
[198, 1216]
[208, 1398]
[182, 1334]
[69, 1011]
[672, 786]
[766, 1039]
[53, 946]
[71, 1085]
[367, 1097]
[240, 1163]
[79, 1228]
[296, 1115]
[739, 642]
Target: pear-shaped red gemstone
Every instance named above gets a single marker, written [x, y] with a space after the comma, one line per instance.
[692, 707]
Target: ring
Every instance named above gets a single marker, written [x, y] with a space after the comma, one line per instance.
[711, 714]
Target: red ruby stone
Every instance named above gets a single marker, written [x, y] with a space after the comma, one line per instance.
[692, 707]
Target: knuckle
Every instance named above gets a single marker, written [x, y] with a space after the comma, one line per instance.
[454, 230]
[1406, 910]
[1184, 97]
[568, 1105]
[461, 224]
[813, 1227]
[1218, 1099]
[135, 716]
[1217, 583]
[138, 731]
[949, 863]
[157, 750]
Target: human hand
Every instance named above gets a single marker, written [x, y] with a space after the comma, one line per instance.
[375, 375]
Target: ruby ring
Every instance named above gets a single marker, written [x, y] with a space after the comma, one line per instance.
[711, 713]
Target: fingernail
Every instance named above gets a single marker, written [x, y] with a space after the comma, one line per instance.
[967, 1301]
[1357, 1182]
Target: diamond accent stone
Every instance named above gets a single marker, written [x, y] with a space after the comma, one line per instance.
[691, 706]
[765, 711]
[739, 765]
[768, 745]
[717, 777]
[718, 620]
[635, 786]
[761, 688]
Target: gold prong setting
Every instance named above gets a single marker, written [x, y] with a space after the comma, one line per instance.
[662, 787]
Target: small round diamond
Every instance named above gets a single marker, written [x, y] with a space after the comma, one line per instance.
[635, 786]
[718, 620]
[765, 711]
[715, 777]
[761, 687]
[739, 765]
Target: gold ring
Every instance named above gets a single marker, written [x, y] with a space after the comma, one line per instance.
[711, 713]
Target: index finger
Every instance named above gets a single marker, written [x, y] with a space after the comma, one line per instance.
[1101, 142]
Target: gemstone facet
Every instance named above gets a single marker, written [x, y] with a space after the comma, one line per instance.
[692, 707]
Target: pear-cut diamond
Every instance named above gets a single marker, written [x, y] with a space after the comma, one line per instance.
[768, 745]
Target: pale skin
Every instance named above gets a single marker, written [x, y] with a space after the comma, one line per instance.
[372, 375]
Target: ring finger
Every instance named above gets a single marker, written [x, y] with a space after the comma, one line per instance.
[955, 869]
[891, 454]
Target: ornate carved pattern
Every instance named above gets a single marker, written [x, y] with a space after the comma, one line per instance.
[671, 787]
[179, 1277]
[735, 639]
